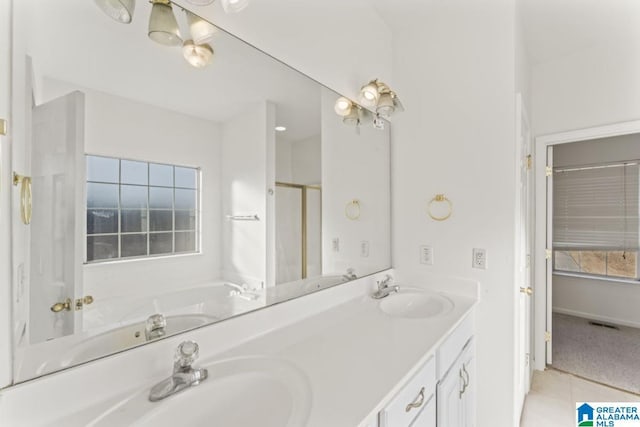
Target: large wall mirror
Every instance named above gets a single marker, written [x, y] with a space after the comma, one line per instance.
[154, 195]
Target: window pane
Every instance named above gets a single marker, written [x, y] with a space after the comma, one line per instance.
[102, 195]
[134, 172]
[186, 241]
[102, 247]
[102, 169]
[161, 175]
[133, 196]
[622, 264]
[185, 199]
[160, 198]
[133, 221]
[133, 245]
[593, 262]
[185, 220]
[161, 243]
[186, 177]
[100, 221]
[160, 220]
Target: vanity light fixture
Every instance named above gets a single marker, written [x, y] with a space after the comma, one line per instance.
[379, 95]
[198, 55]
[201, 30]
[120, 10]
[343, 106]
[201, 2]
[163, 27]
[280, 128]
[234, 6]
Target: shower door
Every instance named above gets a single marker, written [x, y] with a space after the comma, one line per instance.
[298, 232]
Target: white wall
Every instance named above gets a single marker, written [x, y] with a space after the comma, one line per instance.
[245, 181]
[354, 166]
[455, 73]
[595, 86]
[118, 127]
[341, 44]
[605, 300]
[6, 299]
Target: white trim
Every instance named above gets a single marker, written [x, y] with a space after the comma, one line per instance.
[541, 145]
[613, 280]
[589, 316]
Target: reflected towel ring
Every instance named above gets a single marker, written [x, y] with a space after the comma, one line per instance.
[352, 210]
[26, 198]
[440, 198]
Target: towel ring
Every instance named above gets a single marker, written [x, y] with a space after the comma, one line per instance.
[26, 198]
[352, 210]
[438, 199]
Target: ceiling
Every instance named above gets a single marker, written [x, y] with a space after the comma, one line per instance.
[552, 28]
[93, 51]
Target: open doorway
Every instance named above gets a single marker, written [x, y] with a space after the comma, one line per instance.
[589, 223]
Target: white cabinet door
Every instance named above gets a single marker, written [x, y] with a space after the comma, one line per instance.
[468, 404]
[427, 418]
[448, 398]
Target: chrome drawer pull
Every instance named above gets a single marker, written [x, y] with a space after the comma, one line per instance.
[419, 400]
[463, 386]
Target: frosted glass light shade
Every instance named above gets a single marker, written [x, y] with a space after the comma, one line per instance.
[201, 2]
[369, 94]
[386, 106]
[343, 106]
[120, 10]
[163, 27]
[201, 31]
[234, 6]
[198, 55]
[353, 118]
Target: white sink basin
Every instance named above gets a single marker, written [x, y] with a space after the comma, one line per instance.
[251, 391]
[414, 303]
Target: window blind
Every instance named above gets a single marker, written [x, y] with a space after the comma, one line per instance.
[596, 207]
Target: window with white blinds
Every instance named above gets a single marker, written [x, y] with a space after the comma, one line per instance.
[596, 207]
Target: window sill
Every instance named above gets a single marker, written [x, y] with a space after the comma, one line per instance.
[598, 278]
[141, 260]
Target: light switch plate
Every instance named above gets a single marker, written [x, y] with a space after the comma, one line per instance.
[426, 255]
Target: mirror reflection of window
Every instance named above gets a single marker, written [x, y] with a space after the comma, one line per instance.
[138, 209]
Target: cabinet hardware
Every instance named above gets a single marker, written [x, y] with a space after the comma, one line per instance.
[466, 374]
[463, 386]
[25, 196]
[417, 402]
[3, 127]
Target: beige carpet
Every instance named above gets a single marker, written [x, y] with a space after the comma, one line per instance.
[609, 356]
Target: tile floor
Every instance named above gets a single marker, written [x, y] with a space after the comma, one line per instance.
[553, 396]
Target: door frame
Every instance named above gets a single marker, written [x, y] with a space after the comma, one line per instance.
[542, 297]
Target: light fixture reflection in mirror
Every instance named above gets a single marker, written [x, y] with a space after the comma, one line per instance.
[120, 10]
[163, 27]
[201, 31]
[369, 94]
[201, 2]
[343, 106]
[234, 6]
[198, 55]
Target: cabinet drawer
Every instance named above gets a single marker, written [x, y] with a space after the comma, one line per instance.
[420, 391]
[453, 345]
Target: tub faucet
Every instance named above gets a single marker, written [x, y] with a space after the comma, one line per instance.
[184, 375]
[385, 288]
[155, 327]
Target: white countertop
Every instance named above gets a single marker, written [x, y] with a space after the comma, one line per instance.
[355, 357]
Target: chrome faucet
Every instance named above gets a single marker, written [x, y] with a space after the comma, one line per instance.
[351, 275]
[385, 288]
[184, 375]
[155, 327]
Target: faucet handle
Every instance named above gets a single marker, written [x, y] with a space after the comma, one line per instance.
[187, 353]
[156, 321]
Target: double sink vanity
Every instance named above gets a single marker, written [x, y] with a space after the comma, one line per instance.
[339, 357]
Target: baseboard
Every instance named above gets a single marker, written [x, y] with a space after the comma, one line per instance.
[590, 316]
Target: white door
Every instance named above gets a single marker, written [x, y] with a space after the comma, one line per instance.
[524, 254]
[57, 225]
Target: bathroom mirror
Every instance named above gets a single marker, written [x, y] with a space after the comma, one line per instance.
[162, 188]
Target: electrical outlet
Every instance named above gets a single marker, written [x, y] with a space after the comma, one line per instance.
[426, 255]
[364, 248]
[479, 258]
[335, 244]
